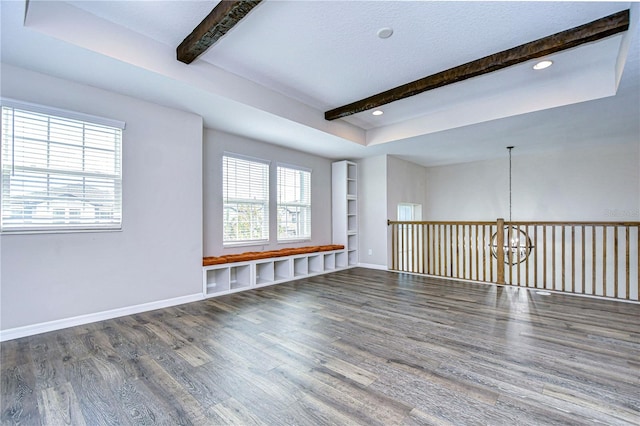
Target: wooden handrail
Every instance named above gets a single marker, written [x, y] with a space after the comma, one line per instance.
[437, 222]
[514, 223]
[599, 258]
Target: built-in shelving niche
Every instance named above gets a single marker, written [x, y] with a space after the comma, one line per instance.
[239, 277]
[229, 278]
[217, 280]
[300, 266]
[344, 181]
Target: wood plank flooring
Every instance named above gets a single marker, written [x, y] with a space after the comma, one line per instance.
[353, 347]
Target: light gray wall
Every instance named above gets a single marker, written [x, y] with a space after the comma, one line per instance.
[406, 183]
[594, 183]
[157, 255]
[215, 144]
[383, 182]
[372, 210]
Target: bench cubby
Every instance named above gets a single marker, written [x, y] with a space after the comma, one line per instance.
[265, 272]
[342, 260]
[225, 278]
[282, 269]
[240, 276]
[329, 261]
[316, 263]
[216, 281]
[300, 266]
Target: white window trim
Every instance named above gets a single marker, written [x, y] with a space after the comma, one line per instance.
[415, 208]
[293, 166]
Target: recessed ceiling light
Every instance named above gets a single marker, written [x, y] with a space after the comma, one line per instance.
[385, 32]
[542, 65]
[377, 112]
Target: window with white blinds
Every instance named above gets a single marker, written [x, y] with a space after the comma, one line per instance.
[294, 204]
[60, 172]
[245, 192]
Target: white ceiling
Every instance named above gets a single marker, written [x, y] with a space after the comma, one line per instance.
[273, 76]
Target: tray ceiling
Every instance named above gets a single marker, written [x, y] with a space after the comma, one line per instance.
[287, 62]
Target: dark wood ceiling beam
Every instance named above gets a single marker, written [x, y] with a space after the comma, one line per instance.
[593, 31]
[222, 18]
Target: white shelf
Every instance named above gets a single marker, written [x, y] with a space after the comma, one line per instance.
[352, 207]
[217, 280]
[316, 263]
[300, 266]
[329, 261]
[353, 257]
[282, 269]
[232, 277]
[352, 188]
[344, 180]
[352, 224]
[352, 242]
[265, 272]
[239, 277]
[352, 170]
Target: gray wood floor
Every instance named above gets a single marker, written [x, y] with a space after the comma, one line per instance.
[354, 347]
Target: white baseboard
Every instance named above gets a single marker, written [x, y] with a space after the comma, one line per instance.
[30, 330]
[373, 266]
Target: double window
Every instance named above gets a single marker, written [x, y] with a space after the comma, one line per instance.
[61, 171]
[245, 192]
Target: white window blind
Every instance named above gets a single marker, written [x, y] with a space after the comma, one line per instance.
[58, 172]
[245, 195]
[294, 204]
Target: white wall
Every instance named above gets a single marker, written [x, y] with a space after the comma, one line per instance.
[406, 183]
[157, 255]
[384, 182]
[215, 144]
[594, 183]
[372, 211]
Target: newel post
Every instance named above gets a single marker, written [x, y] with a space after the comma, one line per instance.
[500, 250]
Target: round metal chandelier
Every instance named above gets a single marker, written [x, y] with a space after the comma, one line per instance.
[517, 245]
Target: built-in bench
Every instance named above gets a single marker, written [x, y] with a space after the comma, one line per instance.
[237, 272]
[257, 255]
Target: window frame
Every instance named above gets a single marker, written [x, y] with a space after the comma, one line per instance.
[306, 237]
[62, 218]
[266, 203]
[416, 211]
